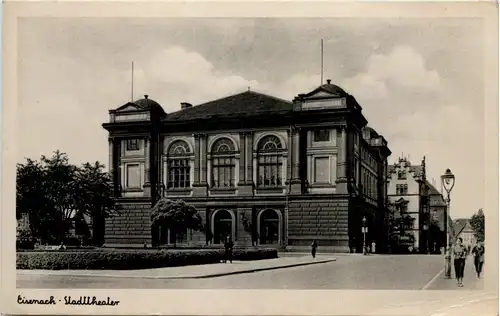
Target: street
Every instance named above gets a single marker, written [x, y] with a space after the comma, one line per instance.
[374, 272]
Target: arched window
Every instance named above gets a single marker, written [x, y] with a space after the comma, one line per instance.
[179, 169]
[269, 164]
[223, 164]
[269, 227]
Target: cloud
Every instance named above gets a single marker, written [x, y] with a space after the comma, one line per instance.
[175, 74]
[403, 67]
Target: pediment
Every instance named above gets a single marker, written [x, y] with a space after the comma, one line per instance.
[129, 107]
[320, 93]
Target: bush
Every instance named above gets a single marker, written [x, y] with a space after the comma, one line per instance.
[118, 259]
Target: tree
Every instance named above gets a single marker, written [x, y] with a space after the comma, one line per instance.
[399, 222]
[477, 224]
[52, 192]
[177, 216]
[94, 191]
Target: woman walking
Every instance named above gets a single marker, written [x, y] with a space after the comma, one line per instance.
[460, 254]
[478, 253]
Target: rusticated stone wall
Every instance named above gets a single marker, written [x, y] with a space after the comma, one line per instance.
[131, 228]
[324, 220]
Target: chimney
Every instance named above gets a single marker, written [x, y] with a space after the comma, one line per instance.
[146, 96]
[185, 105]
[328, 81]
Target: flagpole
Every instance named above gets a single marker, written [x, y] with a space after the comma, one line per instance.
[321, 61]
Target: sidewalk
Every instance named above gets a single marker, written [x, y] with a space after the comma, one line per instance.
[471, 281]
[191, 272]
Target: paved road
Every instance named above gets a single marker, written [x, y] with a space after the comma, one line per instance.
[471, 281]
[374, 272]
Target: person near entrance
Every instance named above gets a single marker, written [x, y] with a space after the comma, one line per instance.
[314, 246]
[460, 254]
[228, 250]
[478, 253]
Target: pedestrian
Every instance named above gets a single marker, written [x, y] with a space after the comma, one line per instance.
[228, 250]
[478, 253]
[373, 247]
[314, 246]
[460, 254]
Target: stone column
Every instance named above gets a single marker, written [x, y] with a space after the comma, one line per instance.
[200, 188]
[245, 187]
[197, 157]
[341, 181]
[147, 166]
[296, 183]
[249, 158]
[289, 159]
[243, 159]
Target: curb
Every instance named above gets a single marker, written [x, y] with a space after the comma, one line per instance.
[213, 275]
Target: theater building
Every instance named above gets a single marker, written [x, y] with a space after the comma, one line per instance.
[299, 171]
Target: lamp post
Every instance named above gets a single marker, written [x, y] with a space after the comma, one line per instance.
[364, 230]
[448, 182]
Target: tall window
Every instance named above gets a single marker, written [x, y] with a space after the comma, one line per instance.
[269, 153]
[223, 164]
[322, 135]
[179, 169]
[132, 144]
[133, 176]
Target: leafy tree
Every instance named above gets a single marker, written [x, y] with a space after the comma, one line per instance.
[177, 216]
[94, 191]
[52, 192]
[477, 223]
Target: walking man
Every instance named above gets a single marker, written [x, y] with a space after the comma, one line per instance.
[228, 250]
[314, 246]
[478, 253]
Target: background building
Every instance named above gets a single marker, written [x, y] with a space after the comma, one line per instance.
[410, 192]
[302, 170]
[463, 229]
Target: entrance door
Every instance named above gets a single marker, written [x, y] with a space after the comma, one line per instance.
[223, 226]
[269, 228]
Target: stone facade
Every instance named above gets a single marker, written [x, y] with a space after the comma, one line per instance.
[298, 171]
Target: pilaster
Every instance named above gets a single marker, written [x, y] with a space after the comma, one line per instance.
[246, 185]
[296, 183]
[147, 166]
[197, 157]
[201, 188]
[341, 181]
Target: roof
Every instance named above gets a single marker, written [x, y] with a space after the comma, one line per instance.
[243, 104]
[334, 89]
[417, 169]
[147, 104]
[432, 189]
[459, 225]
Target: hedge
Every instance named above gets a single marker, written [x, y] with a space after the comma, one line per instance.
[119, 259]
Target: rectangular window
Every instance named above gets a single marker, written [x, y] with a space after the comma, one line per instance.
[179, 172]
[321, 170]
[132, 144]
[223, 172]
[133, 176]
[402, 175]
[322, 135]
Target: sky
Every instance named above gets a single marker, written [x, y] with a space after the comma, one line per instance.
[419, 81]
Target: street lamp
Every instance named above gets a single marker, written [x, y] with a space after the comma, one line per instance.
[448, 182]
[364, 230]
